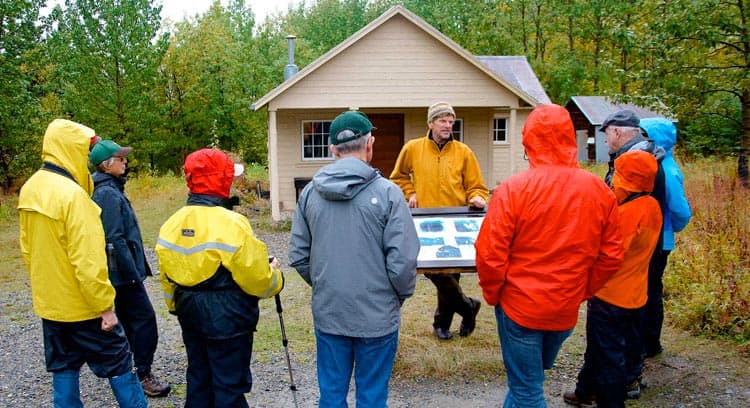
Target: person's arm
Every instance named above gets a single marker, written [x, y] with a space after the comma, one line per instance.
[401, 247]
[677, 202]
[493, 245]
[251, 268]
[114, 231]
[300, 242]
[611, 252]
[402, 174]
[476, 191]
[86, 252]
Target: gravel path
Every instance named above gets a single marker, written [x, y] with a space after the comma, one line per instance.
[694, 376]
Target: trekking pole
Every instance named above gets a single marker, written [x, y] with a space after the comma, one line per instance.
[285, 341]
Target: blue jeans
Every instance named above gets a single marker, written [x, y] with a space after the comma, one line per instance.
[526, 354]
[372, 361]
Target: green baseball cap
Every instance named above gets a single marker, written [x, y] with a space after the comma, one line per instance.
[355, 121]
[105, 149]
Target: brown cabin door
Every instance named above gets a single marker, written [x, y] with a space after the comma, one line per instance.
[389, 138]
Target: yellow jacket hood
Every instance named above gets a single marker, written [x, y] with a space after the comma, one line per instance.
[66, 144]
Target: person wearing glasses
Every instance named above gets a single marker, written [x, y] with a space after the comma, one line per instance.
[128, 267]
[63, 247]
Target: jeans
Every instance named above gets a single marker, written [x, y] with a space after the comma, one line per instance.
[372, 361]
[613, 353]
[126, 388]
[526, 354]
[653, 312]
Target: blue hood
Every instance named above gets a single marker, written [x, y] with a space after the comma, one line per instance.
[662, 131]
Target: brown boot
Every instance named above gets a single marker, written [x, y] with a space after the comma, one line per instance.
[570, 397]
[153, 387]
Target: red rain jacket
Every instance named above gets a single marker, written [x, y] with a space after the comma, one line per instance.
[550, 238]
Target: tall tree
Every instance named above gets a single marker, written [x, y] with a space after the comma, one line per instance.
[19, 114]
[107, 53]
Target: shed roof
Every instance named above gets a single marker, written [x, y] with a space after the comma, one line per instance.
[523, 83]
[597, 108]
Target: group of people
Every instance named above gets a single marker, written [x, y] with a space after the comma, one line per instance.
[82, 246]
[553, 236]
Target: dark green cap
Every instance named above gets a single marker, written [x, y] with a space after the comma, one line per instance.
[105, 149]
[355, 121]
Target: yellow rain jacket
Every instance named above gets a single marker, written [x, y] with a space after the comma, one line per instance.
[198, 239]
[61, 234]
[441, 178]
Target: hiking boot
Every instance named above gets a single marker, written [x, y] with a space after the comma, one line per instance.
[652, 352]
[571, 398]
[443, 334]
[153, 387]
[470, 322]
[633, 390]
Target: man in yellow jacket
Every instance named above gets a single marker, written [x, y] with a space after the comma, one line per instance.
[213, 271]
[63, 247]
[438, 171]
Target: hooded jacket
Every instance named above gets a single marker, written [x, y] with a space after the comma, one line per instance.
[121, 230]
[353, 240]
[61, 235]
[550, 238]
[640, 222]
[447, 177]
[675, 206]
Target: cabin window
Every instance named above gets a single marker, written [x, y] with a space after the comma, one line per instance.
[500, 130]
[315, 140]
[458, 130]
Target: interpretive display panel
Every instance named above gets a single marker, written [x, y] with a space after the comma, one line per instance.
[446, 236]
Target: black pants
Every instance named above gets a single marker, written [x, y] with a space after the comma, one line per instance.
[67, 345]
[613, 353]
[136, 315]
[451, 299]
[218, 372]
[652, 318]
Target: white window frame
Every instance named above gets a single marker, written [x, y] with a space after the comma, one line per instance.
[495, 130]
[325, 140]
[458, 134]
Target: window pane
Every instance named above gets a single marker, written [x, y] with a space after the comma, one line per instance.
[499, 131]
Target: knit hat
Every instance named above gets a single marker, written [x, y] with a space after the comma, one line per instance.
[105, 149]
[211, 172]
[439, 109]
[355, 121]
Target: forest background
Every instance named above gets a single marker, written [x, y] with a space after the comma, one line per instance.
[168, 89]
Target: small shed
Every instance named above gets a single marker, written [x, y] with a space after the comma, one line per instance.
[588, 113]
[392, 70]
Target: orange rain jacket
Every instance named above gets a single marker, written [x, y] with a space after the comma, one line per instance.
[550, 238]
[640, 221]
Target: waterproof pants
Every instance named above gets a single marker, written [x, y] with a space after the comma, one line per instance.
[218, 372]
[451, 299]
[136, 314]
[653, 312]
[613, 353]
[68, 345]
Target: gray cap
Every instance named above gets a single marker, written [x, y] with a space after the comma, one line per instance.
[625, 118]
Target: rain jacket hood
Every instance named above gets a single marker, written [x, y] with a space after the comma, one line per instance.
[635, 172]
[662, 131]
[549, 137]
[343, 179]
[66, 144]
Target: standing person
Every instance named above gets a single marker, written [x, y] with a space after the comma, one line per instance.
[438, 171]
[550, 240]
[128, 265]
[613, 335]
[213, 271]
[676, 211]
[353, 241]
[62, 244]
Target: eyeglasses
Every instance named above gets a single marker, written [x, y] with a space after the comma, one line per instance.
[119, 158]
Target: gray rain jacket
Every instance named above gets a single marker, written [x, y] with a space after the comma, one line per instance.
[353, 240]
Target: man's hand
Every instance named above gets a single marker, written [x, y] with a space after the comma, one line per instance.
[413, 201]
[478, 202]
[109, 320]
[274, 262]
